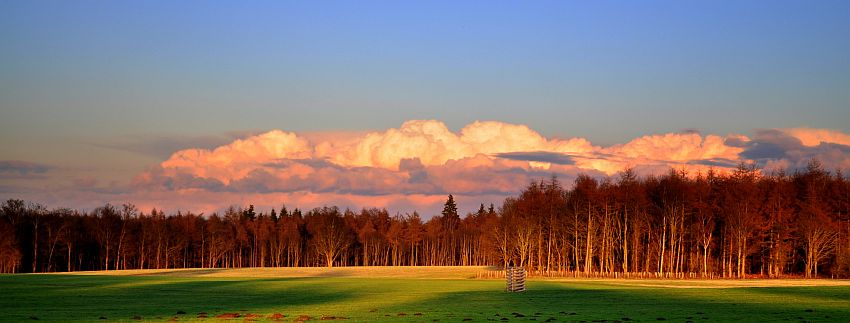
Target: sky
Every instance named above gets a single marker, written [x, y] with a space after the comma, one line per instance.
[196, 105]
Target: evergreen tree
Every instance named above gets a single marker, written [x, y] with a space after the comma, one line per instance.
[451, 219]
[249, 213]
[450, 208]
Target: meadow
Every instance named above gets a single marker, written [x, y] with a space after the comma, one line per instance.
[414, 294]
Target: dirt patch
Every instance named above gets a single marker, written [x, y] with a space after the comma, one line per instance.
[227, 316]
[136, 317]
[276, 317]
[417, 314]
[252, 317]
[302, 318]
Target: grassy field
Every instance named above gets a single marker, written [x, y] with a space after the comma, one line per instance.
[444, 294]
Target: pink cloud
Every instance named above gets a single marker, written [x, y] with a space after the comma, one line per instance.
[813, 137]
[425, 157]
[414, 166]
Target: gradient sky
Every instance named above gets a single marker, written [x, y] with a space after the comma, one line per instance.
[97, 92]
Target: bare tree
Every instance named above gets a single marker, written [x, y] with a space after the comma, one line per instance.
[329, 235]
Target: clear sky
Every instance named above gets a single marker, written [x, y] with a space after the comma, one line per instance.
[103, 90]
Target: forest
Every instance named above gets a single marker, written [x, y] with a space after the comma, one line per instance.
[740, 224]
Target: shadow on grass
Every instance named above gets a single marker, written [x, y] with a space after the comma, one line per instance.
[90, 298]
[814, 293]
[555, 301]
[87, 298]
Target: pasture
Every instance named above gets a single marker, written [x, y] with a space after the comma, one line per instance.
[407, 294]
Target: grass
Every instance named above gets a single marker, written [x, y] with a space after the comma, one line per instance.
[407, 294]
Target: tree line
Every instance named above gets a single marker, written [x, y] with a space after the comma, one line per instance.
[735, 225]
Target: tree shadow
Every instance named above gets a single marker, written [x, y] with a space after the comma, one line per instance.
[559, 301]
[88, 298]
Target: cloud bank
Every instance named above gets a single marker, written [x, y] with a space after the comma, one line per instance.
[414, 166]
[418, 163]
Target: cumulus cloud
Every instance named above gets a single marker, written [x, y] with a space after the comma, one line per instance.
[433, 143]
[424, 156]
[418, 163]
[414, 166]
[421, 156]
[652, 153]
[793, 148]
[813, 137]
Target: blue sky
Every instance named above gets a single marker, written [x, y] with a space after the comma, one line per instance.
[107, 87]
[568, 68]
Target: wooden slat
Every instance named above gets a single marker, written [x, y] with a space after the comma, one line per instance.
[515, 279]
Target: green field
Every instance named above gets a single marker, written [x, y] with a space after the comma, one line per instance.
[406, 294]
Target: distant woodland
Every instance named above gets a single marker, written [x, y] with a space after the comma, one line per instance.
[741, 224]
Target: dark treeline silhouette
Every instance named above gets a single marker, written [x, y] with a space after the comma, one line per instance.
[741, 224]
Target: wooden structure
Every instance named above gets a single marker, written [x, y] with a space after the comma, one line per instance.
[515, 279]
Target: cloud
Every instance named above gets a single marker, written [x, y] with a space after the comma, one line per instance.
[22, 169]
[414, 166]
[657, 153]
[484, 157]
[420, 156]
[813, 137]
[433, 143]
[775, 149]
